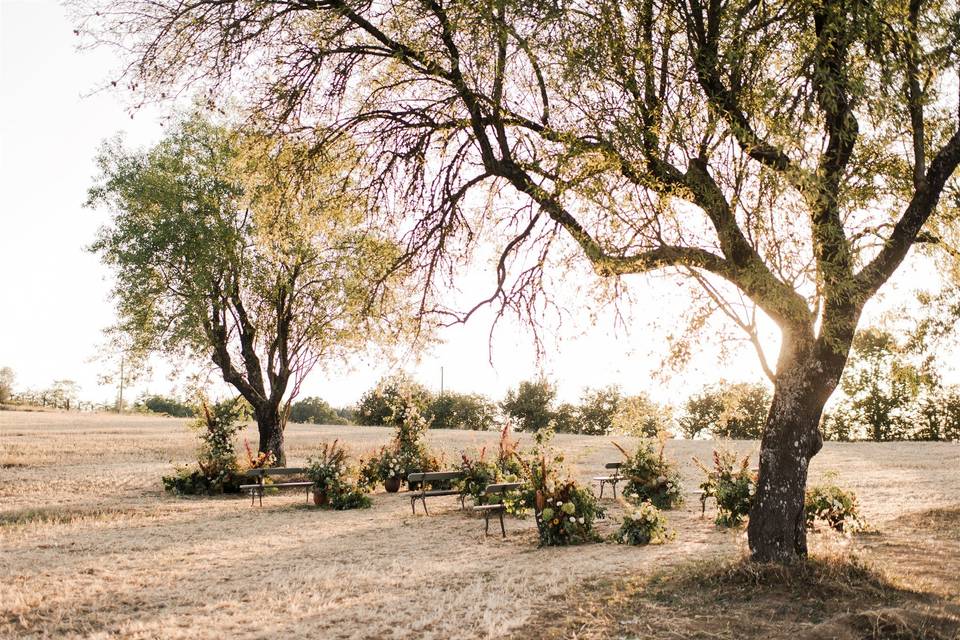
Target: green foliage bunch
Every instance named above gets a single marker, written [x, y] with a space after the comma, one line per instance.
[737, 411]
[462, 411]
[642, 417]
[642, 524]
[835, 506]
[166, 405]
[479, 472]
[530, 405]
[314, 410]
[332, 475]
[731, 484]
[564, 510]
[651, 477]
[217, 470]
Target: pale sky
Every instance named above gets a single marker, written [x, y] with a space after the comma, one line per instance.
[54, 294]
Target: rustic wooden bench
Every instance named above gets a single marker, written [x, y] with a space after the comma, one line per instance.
[256, 490]
[613, 479]
[497, 491]
[427, 479]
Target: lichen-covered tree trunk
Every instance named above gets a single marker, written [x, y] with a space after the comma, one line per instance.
[270, 427]
[805, 380]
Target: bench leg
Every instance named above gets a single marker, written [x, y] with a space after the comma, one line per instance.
[486, 523]
[614, 485]
[413, 504]
[424, 501]
[503, 531]
[601, 489]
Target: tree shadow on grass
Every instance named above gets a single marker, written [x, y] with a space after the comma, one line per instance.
[828, 596]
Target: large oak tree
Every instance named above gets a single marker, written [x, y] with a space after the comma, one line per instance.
[795, 150]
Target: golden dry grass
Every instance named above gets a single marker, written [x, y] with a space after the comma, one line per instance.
[91, 547]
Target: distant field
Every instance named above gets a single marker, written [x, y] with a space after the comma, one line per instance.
[91, 547]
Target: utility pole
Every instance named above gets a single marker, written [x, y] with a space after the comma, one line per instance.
[120, 401]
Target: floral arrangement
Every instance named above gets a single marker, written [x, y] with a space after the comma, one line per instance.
[406, 453]
[731, 484]
[650, 477]
[477, 474]
[332, 478]
[217, 469]
[643, 524]
[564, 510]
[833, 505]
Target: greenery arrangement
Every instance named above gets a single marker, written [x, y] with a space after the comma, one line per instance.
[651, 477]
[835, 506]
[564, 510]
[333, 478]
[642, 524]
[217, 469]
[731, 484]
[479, 472]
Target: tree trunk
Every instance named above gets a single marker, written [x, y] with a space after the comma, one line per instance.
[805, 380]
[270, 428]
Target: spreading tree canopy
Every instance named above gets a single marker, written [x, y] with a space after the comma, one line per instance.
[793, 152]
[219, 255]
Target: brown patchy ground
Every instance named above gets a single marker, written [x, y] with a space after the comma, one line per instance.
[91, 547]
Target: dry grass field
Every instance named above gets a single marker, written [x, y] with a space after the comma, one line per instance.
[91, 547]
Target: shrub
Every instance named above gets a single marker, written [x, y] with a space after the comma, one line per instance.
[315, 411]
[217, 468]
[598, 407]
[737, 411]
[531, 405]
[565, 511]
[378, 404]
[833, 505]
[169, 406]
[462, 411]
[642, 417]
[642, 524]
[731, 484]
[332, 475]
[651, 477]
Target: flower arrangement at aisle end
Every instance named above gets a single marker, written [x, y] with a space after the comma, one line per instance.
[650, 476]
[478, 472]
[565, 511]
[642, 524]
[334, 483]
[731, 484]
[405, 454]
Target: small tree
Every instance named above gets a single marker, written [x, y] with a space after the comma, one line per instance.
[240, 250]
[315, 411]
[531, 404]
[643, 417]
[7, 380]
[736, 411]
[462, 411]
[882, 386]
[597, 410]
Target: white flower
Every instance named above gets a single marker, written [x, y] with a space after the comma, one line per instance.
[559, 503]
[572, 519]
[581, 521]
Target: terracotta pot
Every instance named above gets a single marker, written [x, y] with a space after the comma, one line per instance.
[320, 498]
[392, 485]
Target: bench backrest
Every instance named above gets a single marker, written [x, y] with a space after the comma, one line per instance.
[275, 471]
[613, 465]
[434, 476]
[502, 487]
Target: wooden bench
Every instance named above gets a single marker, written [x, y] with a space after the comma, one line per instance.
[613, 479]
[256, 490]
[497, 507]
[426, 479]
